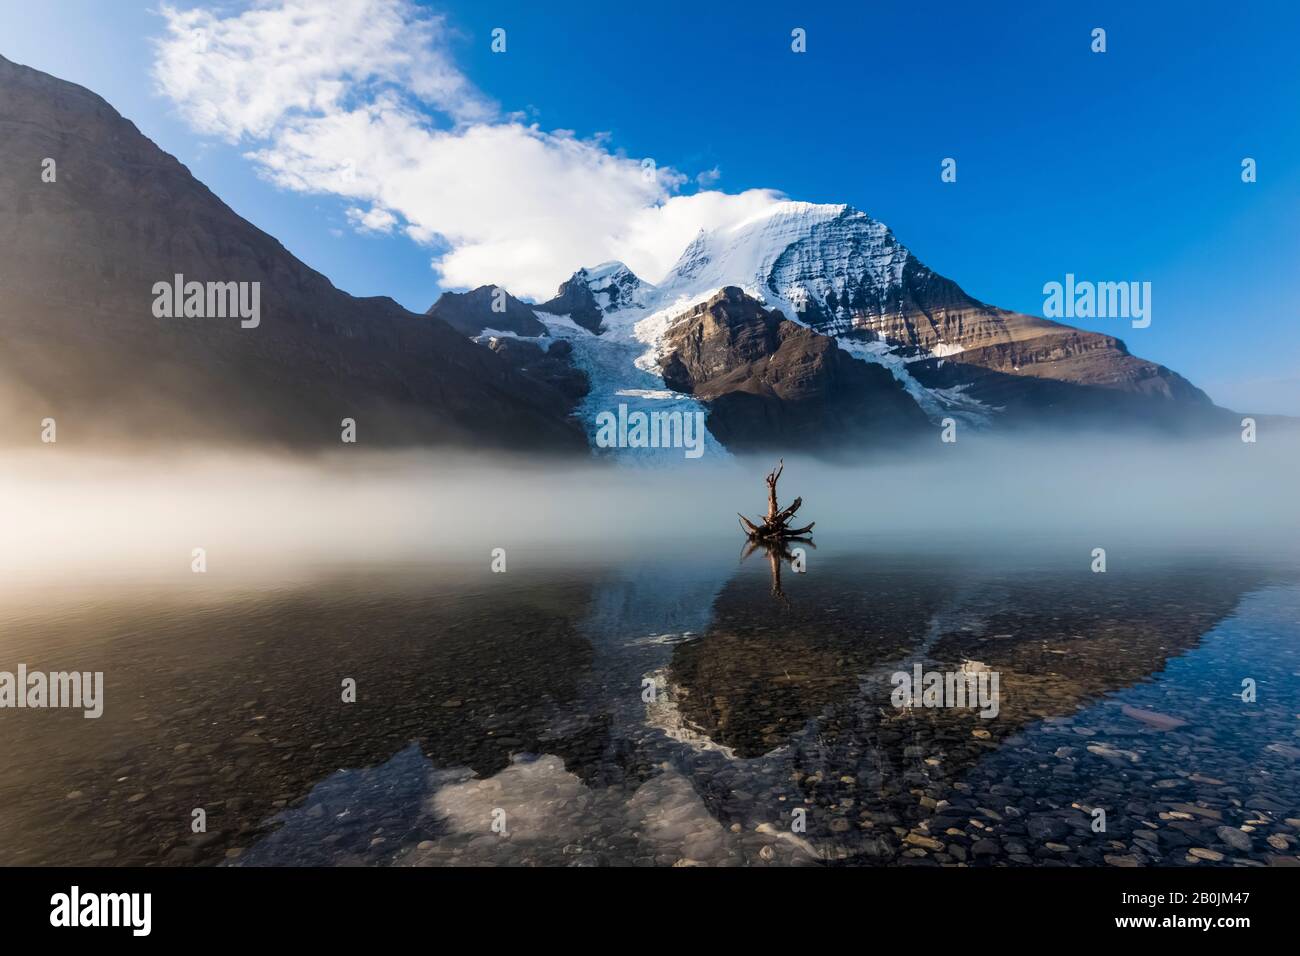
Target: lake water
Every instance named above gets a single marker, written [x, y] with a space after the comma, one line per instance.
[670, 704]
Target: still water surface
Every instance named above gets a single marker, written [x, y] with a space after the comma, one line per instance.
[522, 698]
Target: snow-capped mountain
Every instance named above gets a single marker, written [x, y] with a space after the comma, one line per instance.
[614, 286]
[591, 294]
[846, 279]
[830, 267]
[800, 257]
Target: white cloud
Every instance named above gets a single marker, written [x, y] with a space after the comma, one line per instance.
[360, 99]
[709, 177]
[241, 75]
[375, 219]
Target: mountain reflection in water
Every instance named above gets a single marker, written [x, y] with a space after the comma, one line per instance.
[525, 698]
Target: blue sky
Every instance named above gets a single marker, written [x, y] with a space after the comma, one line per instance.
[1122, 165]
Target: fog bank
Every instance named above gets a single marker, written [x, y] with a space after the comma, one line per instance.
[65, 513]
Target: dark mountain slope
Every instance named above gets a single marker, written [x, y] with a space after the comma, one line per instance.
[79, 340]
[472, 313]
[772, 383]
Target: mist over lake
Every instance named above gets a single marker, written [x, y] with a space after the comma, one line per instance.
[116, 515]
[524, 690]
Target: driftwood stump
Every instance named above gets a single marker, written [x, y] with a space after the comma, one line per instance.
[776, 526]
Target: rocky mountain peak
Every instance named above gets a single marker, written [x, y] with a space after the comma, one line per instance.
[615, 287]
[821, 262]
[488, 308]
[769, 382]
[590, 294]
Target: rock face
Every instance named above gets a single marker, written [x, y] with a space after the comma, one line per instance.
[79, 340]
[769, 382]
[591, 294]
[553, 365]
[1038, 370]
[575, 299]
[472, 313]
[489, 310]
